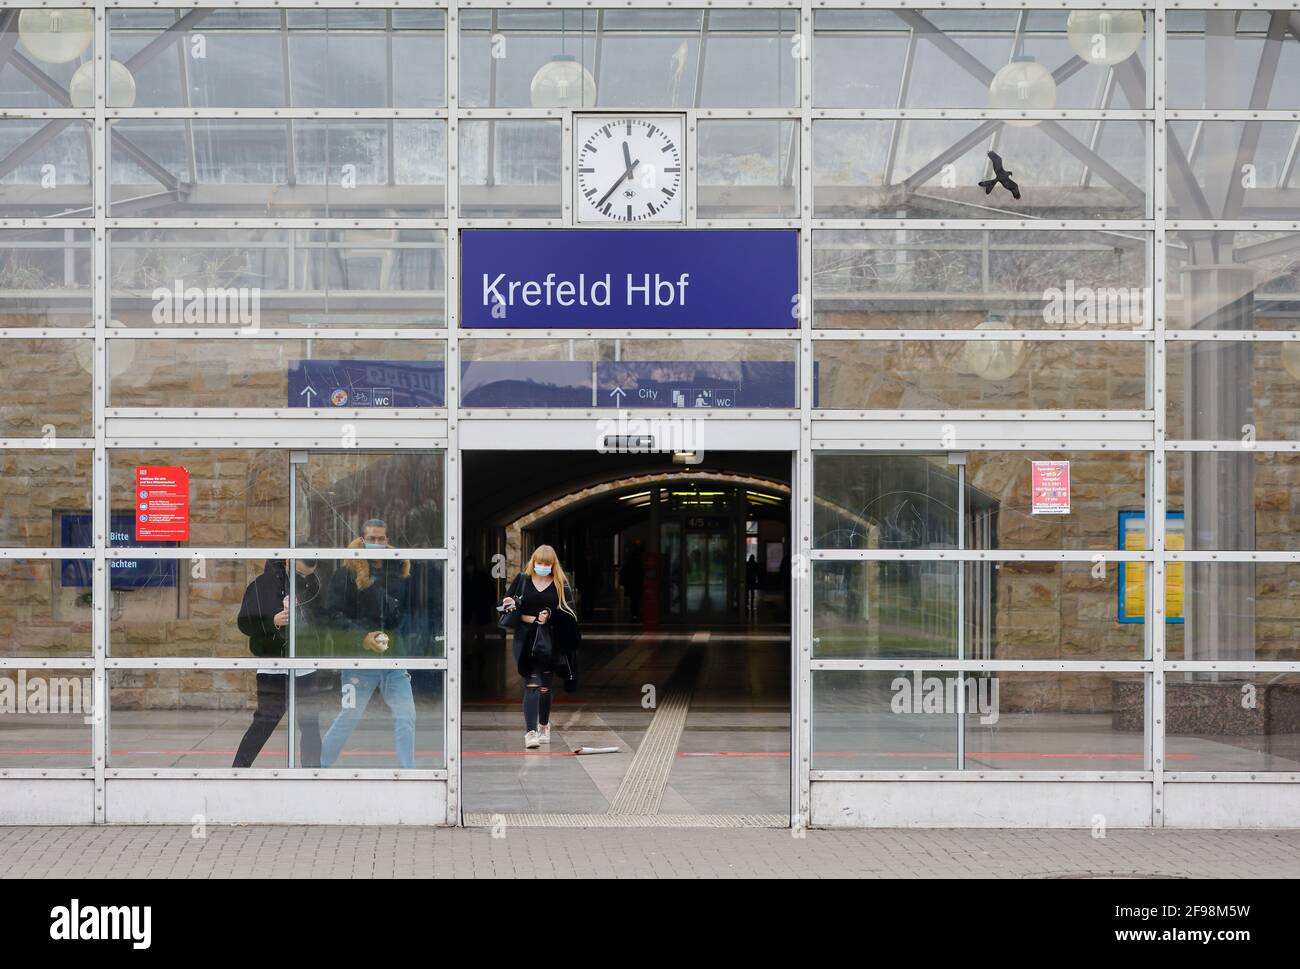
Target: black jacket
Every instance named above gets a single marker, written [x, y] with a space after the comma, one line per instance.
[566, 636]
[368, 596]
[264, 598]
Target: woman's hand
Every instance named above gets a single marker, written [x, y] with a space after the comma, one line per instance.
[542, 616]
[508, 602]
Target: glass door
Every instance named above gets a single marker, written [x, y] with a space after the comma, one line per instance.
[367, 601]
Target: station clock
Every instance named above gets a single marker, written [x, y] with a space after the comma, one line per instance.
[629, 168]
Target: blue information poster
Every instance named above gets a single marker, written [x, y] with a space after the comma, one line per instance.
[76, 531]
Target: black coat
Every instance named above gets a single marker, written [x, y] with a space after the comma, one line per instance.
[264, 598]
[566, 636]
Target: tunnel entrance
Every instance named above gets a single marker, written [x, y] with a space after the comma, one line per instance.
[681, 576]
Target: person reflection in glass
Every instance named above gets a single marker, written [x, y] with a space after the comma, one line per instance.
[367, 606]
[264, 619]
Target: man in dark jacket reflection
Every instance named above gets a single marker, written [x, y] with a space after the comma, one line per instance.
[368, 611]
[264, 619]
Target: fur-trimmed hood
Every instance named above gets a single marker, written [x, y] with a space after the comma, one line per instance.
[360, 568]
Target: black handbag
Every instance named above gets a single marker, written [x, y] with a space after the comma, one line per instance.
[508, 619]
[542, 649]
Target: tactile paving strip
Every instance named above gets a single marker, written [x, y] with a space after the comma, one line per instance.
[643, 785]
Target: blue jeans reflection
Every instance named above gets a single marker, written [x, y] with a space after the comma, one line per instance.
[395, 687]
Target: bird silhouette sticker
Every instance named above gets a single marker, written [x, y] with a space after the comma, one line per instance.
[1000, 176]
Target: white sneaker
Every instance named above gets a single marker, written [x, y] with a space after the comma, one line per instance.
[544, 734]
[531, 740]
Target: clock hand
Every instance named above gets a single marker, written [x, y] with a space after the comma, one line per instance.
[627, 160]
[621, 179]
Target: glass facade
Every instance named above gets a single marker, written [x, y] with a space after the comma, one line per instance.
[230, 246]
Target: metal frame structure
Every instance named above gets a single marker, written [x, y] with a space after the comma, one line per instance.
[1153, 795]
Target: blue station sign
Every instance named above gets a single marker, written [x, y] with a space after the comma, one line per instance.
[633, 278]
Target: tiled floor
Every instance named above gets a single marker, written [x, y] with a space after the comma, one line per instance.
[354, 852]
[732, 755]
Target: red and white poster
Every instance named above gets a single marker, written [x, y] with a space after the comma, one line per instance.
[1051, 487]
[162, 504]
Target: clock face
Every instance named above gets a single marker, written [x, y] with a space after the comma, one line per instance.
[629, 169]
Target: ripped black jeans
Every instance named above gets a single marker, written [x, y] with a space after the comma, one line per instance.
[537, 699]
[537, 685]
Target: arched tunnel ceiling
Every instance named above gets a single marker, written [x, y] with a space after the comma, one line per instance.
[500, 486]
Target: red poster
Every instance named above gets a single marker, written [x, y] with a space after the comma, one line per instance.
[1051, 487]
[162, 505]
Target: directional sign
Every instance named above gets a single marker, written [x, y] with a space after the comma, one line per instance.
[366, 383]
[692, 384]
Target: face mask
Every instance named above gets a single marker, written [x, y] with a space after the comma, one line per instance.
[376, 545]
[542, 569]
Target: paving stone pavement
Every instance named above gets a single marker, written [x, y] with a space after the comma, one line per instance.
[413, 852]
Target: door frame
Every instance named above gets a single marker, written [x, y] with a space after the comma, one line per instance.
[565, 431]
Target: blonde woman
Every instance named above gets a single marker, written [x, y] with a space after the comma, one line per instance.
[543, 596]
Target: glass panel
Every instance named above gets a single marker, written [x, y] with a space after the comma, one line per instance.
[923, 279]
[1054, 721]
[884, 501]
[927, 169]
[405, 730]
[338, 492]
[1047, 610]
[871, 721]
[376, 169]
[1233, 281]
[171, 607]
[1226, 611]
[341, 277]
[510, 169]
[628, 58]
[989, 374]
[628, 373]
[45, 169]
[45, 277]
[1232, 170]
[1013, 610]
[747, 169]
[265, 59]
[1236, 502]
[885, 610]
[948, 58]
[54, 46]
[1232, 721]
[235, 608]
[53, 397]
[361, 608]
[45, 609]
[46, 718]
[237, 498]
[194, 718]
[307, 374]
[1233, 391]
[999, 500]
[1214, 59]
[45, 498]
